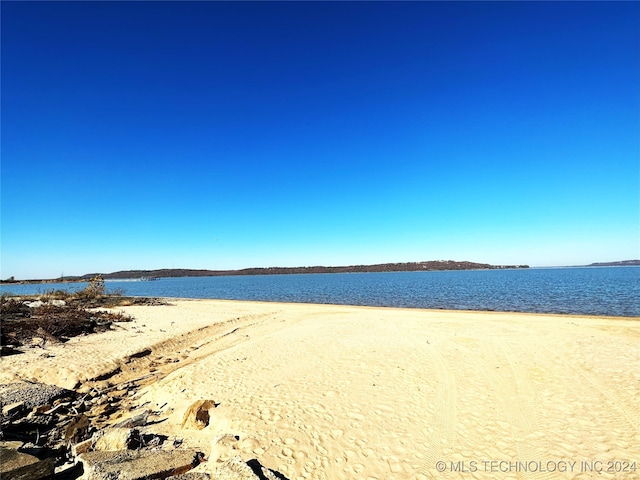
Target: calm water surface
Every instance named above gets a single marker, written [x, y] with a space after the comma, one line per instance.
[592, 291]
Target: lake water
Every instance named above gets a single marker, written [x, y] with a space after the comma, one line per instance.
[593, 291]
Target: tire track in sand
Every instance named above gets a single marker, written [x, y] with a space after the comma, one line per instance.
[519, 412]
[578, 413]
[622, 410]
[443, 422]
[511, 391]
[166, 357]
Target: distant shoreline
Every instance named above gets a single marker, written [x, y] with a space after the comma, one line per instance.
[436, 265]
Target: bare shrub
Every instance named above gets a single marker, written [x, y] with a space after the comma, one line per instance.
[58, 294]
[94, 291]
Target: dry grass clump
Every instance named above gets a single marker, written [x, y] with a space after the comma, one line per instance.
[51, 322]
[56, 316]
[59, 315]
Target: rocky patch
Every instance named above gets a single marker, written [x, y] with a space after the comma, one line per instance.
[47, 432]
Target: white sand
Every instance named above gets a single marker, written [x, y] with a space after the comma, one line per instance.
[332, 392]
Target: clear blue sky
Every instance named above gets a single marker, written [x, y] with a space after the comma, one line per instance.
[141, 135]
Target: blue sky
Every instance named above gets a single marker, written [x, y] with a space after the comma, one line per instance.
[141, 135]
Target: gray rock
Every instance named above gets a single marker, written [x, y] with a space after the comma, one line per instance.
[138, 420]
[12, 458]
[16, 465]
[41, 470]
[237, 469]
[12, 408]
[137, 465]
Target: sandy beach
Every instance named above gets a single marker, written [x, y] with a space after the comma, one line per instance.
[340, 392]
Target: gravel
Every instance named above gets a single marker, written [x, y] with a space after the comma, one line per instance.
[32, 394]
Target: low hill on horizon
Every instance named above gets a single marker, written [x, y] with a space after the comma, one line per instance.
[382, 267]
[622, 263]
